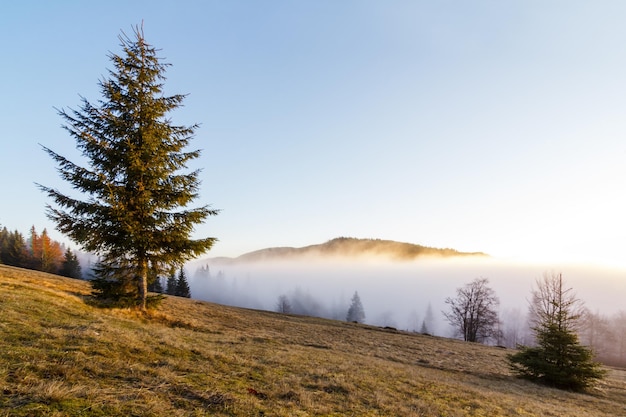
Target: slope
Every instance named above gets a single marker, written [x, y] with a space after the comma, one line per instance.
[62, 356]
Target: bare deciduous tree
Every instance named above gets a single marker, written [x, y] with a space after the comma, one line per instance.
[283, 305]
[595, 332]
[551, 304]
[473, 313]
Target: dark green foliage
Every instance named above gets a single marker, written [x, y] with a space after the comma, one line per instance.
[171, 283]
[154, 282]
[135, 215]
[114, 287]
[70, 266]
[13, 249]
[155, 285]
[182, 286]
[559, 359]
[113, 284]
[178, 286]
[356, 313]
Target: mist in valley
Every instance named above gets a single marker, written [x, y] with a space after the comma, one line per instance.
[406, 295]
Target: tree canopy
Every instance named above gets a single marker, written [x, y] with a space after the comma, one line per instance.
[135, 213]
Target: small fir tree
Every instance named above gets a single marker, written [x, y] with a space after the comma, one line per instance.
[356, 313]
[113, 284]
[171, 283]
[559, 359]
[71, 266]
[182, 286]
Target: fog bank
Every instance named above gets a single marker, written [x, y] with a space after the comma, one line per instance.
[394, 293]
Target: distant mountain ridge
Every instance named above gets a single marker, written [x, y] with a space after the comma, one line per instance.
[347, 247]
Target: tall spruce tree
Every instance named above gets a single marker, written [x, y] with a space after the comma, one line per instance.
[170, 288]
[136, 215]
[182, 285]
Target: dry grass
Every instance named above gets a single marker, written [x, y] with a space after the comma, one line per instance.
[64, 357]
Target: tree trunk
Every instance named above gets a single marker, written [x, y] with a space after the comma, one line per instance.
[143, 284]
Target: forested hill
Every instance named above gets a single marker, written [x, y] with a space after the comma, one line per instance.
[345, 247]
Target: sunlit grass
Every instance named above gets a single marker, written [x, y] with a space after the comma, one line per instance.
[64, 357]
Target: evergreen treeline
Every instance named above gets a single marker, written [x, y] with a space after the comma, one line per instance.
[38, 252]
[175, 284]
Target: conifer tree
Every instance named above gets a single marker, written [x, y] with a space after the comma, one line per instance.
[70, 266]
[14, 250]
[35, 249]
[356, 312]
[51, 253]
[558, 359]
[4, 244]
[428, 325]
[135, 215]
[171, 283]
[156, 286]
[182, 286]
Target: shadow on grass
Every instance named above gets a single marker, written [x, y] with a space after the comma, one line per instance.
[128, 302]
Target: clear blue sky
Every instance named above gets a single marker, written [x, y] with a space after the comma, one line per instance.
[495, 126]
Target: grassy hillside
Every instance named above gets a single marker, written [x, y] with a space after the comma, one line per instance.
[64, 357]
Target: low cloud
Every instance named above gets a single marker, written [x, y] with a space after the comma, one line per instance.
[393, 293]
